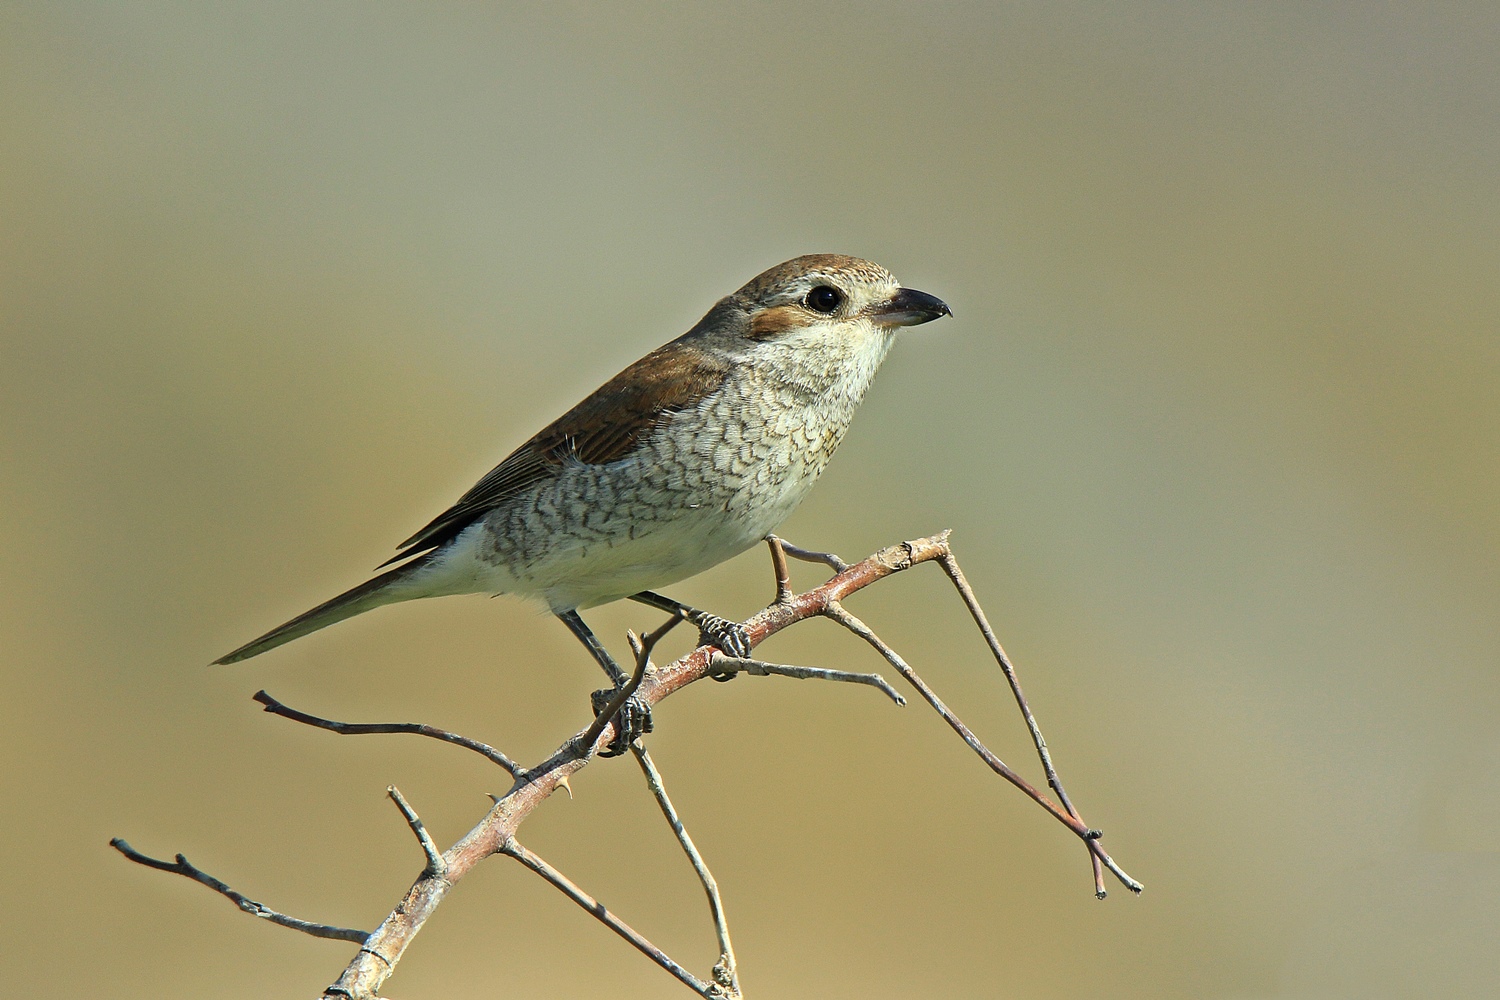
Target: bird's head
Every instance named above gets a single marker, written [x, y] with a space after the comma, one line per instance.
[828, 304]
[829, 297]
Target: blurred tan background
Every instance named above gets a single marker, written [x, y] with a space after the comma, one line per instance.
[1217, 428]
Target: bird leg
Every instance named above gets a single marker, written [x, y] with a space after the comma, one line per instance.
[634, 715]
[591, 643]
[730, 637]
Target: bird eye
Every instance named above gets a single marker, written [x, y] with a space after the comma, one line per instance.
[824, 299]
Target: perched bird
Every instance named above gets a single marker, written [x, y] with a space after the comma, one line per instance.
[688, 457]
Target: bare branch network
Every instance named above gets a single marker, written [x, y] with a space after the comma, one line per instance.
[380, 950]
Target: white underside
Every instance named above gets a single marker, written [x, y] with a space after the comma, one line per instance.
[586, 574]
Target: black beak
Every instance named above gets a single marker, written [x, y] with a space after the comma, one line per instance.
[909, 307]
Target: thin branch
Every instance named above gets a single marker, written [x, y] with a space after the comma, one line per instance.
[183, 867]
[1089, 836]
[950, 566]
[725, 972]
[435, 863]
[828, 559]
[511, 848]
[650, 639]
[760, 668]
[275, 707]
[779, 568]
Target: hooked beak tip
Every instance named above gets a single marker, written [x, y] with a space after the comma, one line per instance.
[909, 307]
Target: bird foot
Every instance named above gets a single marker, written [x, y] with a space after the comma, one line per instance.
[632, 721]
[731, 637]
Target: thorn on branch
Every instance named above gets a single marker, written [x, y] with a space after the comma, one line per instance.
[181, 866]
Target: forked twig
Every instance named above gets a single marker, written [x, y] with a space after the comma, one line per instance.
[779, 569]
[828, 559]
[1089, 836]
[949, 563]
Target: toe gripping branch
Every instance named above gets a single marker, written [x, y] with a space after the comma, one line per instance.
[632, 719]
[731, 637]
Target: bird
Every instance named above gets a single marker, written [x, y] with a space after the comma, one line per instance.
[688, 457]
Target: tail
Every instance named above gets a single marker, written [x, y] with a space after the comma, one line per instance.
[387, 588]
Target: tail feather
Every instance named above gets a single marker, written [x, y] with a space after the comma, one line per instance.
[387, 588]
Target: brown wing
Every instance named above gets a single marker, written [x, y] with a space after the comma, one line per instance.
[601, 429]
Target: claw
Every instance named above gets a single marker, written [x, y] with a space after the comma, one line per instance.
[632, 721]
[731, 637]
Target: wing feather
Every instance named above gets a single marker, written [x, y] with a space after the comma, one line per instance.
[603, 428]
